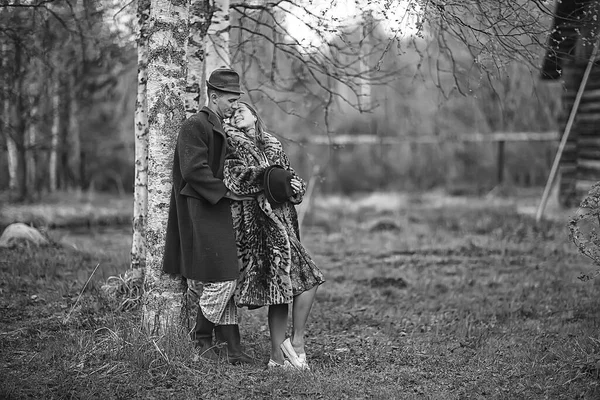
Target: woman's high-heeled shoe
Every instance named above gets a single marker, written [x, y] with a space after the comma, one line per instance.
[286, 366]
[297, 360]
[302, 359]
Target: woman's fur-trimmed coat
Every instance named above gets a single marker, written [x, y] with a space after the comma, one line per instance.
[264, 234]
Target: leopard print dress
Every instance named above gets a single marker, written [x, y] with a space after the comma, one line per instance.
[274, 265]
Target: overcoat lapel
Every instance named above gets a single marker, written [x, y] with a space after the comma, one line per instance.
[218, 129]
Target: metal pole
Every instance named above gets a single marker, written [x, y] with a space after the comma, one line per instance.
[566, 133]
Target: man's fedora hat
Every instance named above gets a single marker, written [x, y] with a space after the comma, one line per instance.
[224, 80]
[277, 184]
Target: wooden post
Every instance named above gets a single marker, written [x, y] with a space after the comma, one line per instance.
[306, 202]
[566, 133]
[500, 163]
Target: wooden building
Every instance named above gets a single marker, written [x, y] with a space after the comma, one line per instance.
[575, 30]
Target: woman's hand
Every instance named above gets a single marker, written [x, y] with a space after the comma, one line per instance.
[296, 185]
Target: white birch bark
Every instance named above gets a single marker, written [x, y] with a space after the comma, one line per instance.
[167, 40]
[140, 192]
[53, 158]
[11, 146]
[194, 98]
[216, 42]
[30, 143]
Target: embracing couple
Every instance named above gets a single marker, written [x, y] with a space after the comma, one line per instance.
[233, 230]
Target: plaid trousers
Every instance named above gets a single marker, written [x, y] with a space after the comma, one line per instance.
[215, 300]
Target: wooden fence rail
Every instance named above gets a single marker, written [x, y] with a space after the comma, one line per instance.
[341, 140]
[498, 137]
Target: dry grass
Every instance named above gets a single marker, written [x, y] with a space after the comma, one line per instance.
[453, 301]
[65, 209]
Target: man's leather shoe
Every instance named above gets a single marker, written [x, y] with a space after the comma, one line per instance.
[235, 355]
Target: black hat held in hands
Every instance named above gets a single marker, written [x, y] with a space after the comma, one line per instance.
[224, 80]
[278, 184]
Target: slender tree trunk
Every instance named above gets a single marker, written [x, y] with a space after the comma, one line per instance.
[12, 155]
[217, 41]
[55, 110]
[73, 139]
[63, 134]
[140, 193]
[30, 150]
[364, 86]
[168, 36]
[16, 115]
[199, 21]
[20, 146]
[11, 146]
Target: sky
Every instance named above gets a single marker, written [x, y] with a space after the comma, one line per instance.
[398, 17]
[119, 14]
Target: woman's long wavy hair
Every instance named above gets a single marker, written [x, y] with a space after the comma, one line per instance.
[260, 126]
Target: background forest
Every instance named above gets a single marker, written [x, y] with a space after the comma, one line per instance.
[69, 91]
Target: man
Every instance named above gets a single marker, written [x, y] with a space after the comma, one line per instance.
[200, 241]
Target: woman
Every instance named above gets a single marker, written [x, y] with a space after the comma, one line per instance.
[275, 269]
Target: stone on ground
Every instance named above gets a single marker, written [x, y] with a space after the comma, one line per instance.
[19, 232]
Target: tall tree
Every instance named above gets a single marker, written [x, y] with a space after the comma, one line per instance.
[16, 57]
[17, 112]
[313, 51]
[175, 83]
[140, 191]
[200, 14]
[216, 42]
[11, 146]
[31, 139]
[208, 48]
[54, 133]
[323, 38]
[491, 34]
[53, 40]
[73, 139]
[167, 41]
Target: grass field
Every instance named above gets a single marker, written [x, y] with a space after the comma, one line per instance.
[424, 299]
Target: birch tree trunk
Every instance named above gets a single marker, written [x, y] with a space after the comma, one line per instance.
[73, 139]
[364, 85]
[55, 110]
[11, 149]
[167, 41]
[199, 21]
[140, 192]
[17, 128]
[19, 133]
[217, 42]
[11, 146]
[30, 143]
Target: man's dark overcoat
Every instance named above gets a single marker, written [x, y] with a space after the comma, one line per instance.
[200, 241]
